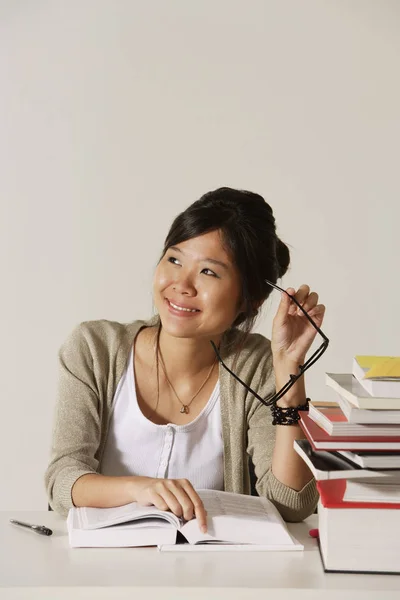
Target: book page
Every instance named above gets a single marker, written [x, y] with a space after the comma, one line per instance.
[238, 519]
[96, 518]
[224, 503]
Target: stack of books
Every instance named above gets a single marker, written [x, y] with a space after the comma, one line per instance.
[353, 450]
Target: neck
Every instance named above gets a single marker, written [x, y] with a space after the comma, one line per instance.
[186, 357]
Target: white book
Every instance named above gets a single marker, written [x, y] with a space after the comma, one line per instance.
[373, 460]
[365, 416]
[350, 388]
[359, 540]
[232, 520]
[386, 387]
[229, 547]
[362, 491]
[334, 465]
[335, 423]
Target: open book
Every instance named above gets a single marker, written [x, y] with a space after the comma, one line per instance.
[232, 519]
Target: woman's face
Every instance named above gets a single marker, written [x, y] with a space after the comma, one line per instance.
[197, 289]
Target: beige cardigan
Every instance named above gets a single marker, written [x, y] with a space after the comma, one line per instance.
[92, 361]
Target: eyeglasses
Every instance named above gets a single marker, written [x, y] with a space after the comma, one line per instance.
[302, 368]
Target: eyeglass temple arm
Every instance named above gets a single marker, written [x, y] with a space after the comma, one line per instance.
[314, 357]
[319, 352]
[236, 377]
[266, 401]
[301, 308]
[293, 378]
[278, 395]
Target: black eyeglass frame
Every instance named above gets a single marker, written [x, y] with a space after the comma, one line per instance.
[302, 368]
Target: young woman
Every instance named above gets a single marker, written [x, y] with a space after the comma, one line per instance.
[145, 411]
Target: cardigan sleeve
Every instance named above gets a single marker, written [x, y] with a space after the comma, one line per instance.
[293, 505]
[77, 425]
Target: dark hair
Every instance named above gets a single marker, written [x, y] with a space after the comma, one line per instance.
[248, 231]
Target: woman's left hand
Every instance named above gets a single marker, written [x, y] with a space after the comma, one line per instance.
[292, 333]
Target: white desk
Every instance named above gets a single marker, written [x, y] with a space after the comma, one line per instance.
[34, 566]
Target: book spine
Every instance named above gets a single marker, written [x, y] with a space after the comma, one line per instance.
[332, 491]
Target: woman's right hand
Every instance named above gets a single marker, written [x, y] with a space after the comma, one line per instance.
[176, 495]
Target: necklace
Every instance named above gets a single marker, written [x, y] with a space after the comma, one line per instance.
[185, 407]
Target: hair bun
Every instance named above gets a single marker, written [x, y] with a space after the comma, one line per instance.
[282, 257]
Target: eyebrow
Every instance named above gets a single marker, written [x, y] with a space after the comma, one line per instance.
[213, 261]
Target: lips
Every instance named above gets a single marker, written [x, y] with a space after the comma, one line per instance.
[181, 308]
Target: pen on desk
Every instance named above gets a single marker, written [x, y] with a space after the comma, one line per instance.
[36, 528]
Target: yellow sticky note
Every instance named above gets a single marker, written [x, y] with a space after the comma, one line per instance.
[367, 362]
[389, 368]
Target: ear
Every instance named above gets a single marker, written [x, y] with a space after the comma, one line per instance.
[241, 309]
[257, 306]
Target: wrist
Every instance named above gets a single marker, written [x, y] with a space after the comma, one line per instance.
[135, 485]
[293, 401]
[288, 415]
[284, 364]
[296, 395]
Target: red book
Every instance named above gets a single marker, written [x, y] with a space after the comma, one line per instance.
[334, 421]
[357, 537]
[320, 440]
[331, 492]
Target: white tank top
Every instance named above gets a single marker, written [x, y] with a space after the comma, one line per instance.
[137, 446]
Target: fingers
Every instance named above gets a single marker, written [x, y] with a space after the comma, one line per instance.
[198, 506]
[308, 301]
[158, 501]
[183, 499]
[164, 499]
[292, 308]
[301, 296]
[317, 313]
[285, 305]
[178, 496]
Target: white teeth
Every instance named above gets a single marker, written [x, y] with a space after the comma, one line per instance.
[180, 308]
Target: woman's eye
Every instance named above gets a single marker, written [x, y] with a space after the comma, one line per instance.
[209, 272]
[173, 260]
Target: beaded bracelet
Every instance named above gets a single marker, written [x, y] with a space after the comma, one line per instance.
[288, 415]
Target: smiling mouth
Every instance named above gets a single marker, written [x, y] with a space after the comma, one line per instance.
[181, 308]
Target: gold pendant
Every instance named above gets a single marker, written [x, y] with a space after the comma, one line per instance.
[184, 409]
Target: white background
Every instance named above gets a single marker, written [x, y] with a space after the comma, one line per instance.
[116, 114]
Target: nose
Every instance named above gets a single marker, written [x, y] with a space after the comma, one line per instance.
[184, 284]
